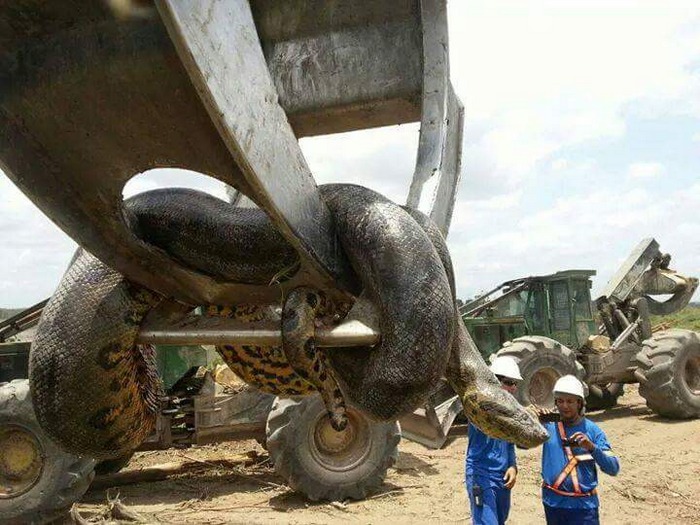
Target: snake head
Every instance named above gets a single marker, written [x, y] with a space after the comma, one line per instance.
[490, 408]
[498, 414]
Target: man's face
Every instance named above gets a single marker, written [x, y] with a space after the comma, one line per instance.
[568, 406]
[509, 385]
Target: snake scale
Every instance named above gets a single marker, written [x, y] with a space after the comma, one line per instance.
[97, 393]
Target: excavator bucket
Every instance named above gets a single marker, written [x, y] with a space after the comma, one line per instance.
[93, 93]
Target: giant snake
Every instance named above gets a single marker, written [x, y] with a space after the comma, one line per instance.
[97, 393]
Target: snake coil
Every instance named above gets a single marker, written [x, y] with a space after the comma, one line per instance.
[96, 392]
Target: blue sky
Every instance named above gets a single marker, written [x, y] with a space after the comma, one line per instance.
[582, 137]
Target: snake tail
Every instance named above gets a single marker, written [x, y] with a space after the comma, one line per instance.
[301, 308]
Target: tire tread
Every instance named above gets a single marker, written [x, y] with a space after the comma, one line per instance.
[68, 476]
[659, 385]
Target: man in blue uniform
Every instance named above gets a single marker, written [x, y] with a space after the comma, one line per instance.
[569, 458]
[491, 469]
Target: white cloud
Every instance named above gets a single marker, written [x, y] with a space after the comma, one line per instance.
[34, 251]
[646, 170]
[470, 215]
[593, 231]
[173, 178]
[381, 159]
[559, 164]
[542, 76]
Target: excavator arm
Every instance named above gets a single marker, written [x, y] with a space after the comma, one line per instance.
[644, 274]
[628, 299]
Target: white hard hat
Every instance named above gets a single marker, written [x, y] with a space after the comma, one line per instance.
[505, 366]
[569, 385]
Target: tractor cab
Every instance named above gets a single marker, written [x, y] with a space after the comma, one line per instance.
[557, 306]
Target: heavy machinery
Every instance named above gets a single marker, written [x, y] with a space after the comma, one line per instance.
[39, 476]
[551, 327]
[195, 411]
[94, 93]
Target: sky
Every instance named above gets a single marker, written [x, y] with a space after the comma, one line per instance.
[582, 136]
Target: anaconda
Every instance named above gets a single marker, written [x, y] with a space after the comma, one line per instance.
[96, 392]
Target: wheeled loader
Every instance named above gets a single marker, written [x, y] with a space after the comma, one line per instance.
[551, 327]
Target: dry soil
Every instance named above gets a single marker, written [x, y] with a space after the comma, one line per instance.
[659, 482]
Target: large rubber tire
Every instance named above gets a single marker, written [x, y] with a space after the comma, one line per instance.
[112, 466]
[668, 369]
[601, 397]
[324, 464]
[542, 361]
[38, 481]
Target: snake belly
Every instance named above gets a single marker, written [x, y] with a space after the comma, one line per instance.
[94, 391]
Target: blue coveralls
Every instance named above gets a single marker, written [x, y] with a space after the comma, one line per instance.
[486, 463]
[575, 510]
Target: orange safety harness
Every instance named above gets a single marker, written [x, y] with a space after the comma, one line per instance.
[569, 470]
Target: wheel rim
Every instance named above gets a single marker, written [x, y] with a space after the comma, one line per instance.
[340, 451]
[691, 374]
[541, 385]
[21, 461]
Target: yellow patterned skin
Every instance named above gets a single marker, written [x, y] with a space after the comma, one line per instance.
[302, 307]
[266, 368]
[94, 391]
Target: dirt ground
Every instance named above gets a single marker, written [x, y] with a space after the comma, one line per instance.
[659, 482]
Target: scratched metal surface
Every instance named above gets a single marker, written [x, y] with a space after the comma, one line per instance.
[89, 98]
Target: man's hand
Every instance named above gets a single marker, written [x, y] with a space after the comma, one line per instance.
[541, 412]
[509, 477]
[582, 440]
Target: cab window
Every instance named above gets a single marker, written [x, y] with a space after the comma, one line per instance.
[582, 300]
[561, 317]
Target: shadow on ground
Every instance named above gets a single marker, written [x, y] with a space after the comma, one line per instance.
[202, 485]
[619, 411]
[412, 465]
[195, 488]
